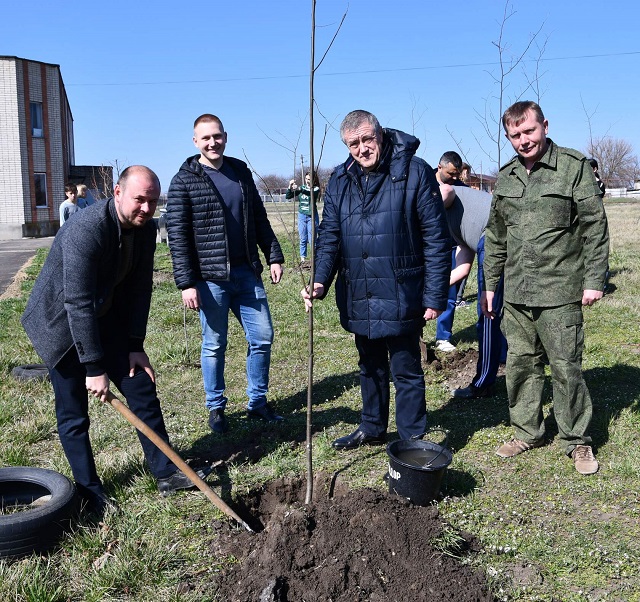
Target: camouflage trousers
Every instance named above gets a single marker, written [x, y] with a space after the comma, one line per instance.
[535, 335]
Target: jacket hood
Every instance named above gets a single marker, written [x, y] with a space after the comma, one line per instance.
[192, 164]
[398, 148]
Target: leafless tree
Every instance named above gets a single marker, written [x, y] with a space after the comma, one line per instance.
[313, 69]
[618, 165]
[324, 173]
[508, 62]
[534, 77]
[272, 183]
[102, 179]
[416, 113]
[458, 144]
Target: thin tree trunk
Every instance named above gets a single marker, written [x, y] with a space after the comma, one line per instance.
[312, 169]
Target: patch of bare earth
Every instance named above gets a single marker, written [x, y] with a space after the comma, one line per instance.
[344, 546]
[458, 367]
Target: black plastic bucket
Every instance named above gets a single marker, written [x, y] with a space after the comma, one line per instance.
[416, 469]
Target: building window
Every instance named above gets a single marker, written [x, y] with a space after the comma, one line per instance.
[40, 183]
[37, 127]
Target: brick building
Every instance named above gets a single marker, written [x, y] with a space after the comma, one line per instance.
[36, 149]
[481, 181]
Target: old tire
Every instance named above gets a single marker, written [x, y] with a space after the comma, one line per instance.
[30, 372]
[39, 526]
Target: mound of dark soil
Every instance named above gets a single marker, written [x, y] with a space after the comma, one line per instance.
[344, 546]
[458, 367]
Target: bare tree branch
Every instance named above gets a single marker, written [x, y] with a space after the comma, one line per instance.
[333, 39]
[491, 121]
[458, 144]
[534, 81]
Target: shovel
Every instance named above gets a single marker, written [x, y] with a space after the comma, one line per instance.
[165, 448]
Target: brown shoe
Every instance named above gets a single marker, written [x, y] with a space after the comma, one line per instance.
[584, 460]
[515, 447]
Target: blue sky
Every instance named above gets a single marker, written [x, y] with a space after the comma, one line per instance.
[138, 73]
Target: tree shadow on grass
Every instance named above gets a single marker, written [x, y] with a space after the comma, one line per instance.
[466, 335]
[612, 390]
[248, 440]
[463, 417]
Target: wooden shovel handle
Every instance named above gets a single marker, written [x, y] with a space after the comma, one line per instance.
[165, 448]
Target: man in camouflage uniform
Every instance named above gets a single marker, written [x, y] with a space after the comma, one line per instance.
[547, 232]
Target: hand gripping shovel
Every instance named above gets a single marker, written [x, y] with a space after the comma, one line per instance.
[165, 448]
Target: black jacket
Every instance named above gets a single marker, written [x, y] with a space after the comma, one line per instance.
[386, 236]
[196, 226]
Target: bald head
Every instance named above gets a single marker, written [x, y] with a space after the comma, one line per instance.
[136, 196]
[137, 170]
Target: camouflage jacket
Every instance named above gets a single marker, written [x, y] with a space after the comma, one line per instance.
[547, 231]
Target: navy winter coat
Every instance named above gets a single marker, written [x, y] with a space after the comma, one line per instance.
[196, 226]
[389, 245]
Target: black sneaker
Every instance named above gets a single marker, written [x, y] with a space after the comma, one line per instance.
[217, 422]
[265, 413]
[99, 505]
[178, 480]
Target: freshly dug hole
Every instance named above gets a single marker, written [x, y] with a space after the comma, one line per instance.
[357, 545]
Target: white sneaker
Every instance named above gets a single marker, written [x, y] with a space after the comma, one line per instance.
[445, 346]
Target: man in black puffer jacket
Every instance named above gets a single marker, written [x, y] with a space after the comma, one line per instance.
[215, 223]
[385, 235]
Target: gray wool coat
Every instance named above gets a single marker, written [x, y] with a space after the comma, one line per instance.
[79, 276]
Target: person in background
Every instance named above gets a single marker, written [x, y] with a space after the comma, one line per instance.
[448, 173]
[465, 173]
[84, 199]
[467, 212]
[305, 210]
[547, 235]
[70, 205]
[594, 166]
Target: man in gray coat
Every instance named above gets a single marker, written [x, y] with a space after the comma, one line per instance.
[87, 319]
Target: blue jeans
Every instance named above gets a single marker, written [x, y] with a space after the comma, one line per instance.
[304, 231]
[492, 346]
[245, 296]
[444, 323]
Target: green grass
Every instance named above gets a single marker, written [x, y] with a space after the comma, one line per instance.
[546, 533]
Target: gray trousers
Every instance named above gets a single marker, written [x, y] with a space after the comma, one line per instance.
[554, 333]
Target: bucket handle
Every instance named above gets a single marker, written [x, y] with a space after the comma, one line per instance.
[443, 445]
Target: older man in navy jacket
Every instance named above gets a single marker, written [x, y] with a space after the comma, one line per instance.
[87, 319]
[385, 235]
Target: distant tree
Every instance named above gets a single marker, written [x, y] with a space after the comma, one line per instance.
[102, 179]
[324, 173]
[272, 183]
[618, 166]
